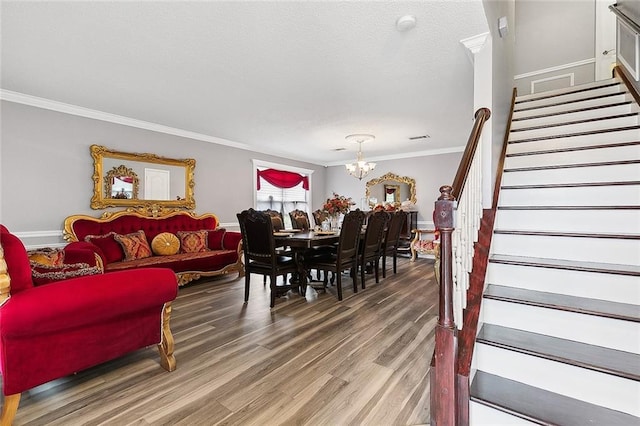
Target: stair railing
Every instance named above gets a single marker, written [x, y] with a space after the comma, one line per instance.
[458, 211]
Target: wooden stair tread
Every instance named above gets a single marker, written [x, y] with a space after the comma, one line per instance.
[597, 358]
[568, 234]
[583, 305]
[572, 166]
[628, 207]
[591, 98]
[569, 123]
[572, 265]
[541, 406]
[574, 148]
[569, 135]
[568, 92]
[570, 185]
[570, 111]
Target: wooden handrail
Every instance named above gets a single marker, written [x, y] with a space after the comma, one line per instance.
[481, 116]
[503, 154]
[624, 18]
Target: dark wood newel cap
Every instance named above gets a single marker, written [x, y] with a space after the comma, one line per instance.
[445, 193]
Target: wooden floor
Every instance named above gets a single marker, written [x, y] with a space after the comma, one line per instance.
[308, 361]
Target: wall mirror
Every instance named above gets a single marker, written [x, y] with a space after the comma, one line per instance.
[391, 188]
[124, 179]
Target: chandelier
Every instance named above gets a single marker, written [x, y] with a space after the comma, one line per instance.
[360, 168]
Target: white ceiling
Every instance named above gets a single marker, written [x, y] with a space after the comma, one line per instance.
[290, 78]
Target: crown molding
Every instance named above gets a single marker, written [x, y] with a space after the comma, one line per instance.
[474, 44]
[34, 101]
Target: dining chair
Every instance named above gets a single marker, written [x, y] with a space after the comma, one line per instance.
[345, 256]
[299, 219]
[260, 256]
[371, 247]
[276, 219]
[392, 240]
[320, 216]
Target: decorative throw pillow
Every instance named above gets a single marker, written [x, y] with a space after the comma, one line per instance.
[134, 245]
[47, 256]
[215, 238]
[165, 244]
[193, 241]
[111, 249]
[42, 274]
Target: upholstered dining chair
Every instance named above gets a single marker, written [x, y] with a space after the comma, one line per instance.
[276, 219]
[392, 240]
[320, 216]
[260, 255]
[345, 256]
[371, 246]
[299, 219]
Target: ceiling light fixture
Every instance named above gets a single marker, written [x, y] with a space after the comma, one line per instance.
[360, 168]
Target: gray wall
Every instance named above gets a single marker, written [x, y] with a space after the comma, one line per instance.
[47, 169]
[503, 71]
[550, 34]
[632, 9]
[430, 173]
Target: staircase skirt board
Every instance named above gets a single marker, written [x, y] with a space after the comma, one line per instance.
[525, 402]
[559, 339]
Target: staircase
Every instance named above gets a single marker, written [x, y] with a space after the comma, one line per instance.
[560, 335]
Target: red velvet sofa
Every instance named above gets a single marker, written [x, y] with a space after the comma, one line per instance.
[220, 256]
[56, 329]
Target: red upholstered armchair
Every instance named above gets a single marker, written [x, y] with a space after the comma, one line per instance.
[53, 330]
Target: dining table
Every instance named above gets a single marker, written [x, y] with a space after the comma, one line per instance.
[301, 243]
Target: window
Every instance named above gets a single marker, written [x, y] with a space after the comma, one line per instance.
[277, 193]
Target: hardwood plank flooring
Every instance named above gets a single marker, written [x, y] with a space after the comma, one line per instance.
[309, 361]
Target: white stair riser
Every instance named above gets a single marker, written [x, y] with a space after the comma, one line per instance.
[482, 415]
[607, 332]
[594, 84]
[592, 285]
[622, 97]
[578, 196]
[613, 173]
[605, 221]
[575, 382]
[631, 135]
[612, 123]
[574, 116]
[620, 153]
[571, 97]
[604, 250]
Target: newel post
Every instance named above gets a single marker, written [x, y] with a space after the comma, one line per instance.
[443, 391]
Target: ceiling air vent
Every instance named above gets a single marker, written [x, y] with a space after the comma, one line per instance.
[415, 138]
[340, 149]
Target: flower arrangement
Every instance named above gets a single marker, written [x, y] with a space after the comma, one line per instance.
[338, 204]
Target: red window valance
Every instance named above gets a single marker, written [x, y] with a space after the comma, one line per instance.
[282, 179]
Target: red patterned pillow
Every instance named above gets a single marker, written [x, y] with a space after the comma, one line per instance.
[47, 256]
[43, 274]
[215, 238]
[134, 245]
[193, 241]
[111, 249]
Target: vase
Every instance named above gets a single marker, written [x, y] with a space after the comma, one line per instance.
[334, 219]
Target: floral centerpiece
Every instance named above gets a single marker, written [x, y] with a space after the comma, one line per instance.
[338, 204]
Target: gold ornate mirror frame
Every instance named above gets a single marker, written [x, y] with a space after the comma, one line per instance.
[393, 178]
[101, 181]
